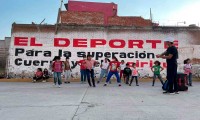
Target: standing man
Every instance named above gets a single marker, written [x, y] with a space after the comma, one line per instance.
[171, 56]
[104, 69]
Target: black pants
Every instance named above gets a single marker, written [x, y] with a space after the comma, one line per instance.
[126, 77]
[45, 77]
[171, 77]
[136, 79]
[90, 74]
[37, 78]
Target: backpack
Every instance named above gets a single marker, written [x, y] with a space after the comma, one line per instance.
[182, 81]
[165, 85]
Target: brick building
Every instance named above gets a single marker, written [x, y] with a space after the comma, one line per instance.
[95, 28]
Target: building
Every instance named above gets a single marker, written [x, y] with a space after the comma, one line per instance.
[4, 47]
[96, 29]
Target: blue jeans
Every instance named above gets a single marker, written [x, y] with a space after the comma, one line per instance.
[110, 75]
[103, 72]
[83, 75]
[159, 77]
[190, 78]
[57, 78]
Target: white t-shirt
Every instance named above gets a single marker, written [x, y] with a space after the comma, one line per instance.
[122, 66]
[105, 65]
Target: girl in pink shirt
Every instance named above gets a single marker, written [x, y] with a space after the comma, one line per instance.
[57, 69]
[188, 70]
[134, 75]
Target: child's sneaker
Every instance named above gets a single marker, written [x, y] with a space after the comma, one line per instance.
[98, 82]
[105, 85]
[137, 85]
[44, 81]
[119, 85]
[129, 84]
[59, 86]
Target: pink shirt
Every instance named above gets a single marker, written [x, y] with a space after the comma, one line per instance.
[57, 66]
[187, 69]
[134, 72]
[90, 64]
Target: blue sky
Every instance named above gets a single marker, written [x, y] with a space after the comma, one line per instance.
[166, 12]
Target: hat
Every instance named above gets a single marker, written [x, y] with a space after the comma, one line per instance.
[169, 39]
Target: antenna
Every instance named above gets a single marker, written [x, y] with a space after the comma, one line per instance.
[151, 17]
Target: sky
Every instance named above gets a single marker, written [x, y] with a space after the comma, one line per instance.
[165, 12]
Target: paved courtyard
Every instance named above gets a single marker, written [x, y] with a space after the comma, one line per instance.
[42, 101]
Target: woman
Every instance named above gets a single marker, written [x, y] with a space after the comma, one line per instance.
[113, 66]
[90, 64]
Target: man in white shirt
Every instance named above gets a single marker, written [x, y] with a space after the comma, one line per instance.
[104, 69]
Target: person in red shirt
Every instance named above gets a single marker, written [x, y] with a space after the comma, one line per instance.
[82, 64]
[113, 66]
[57, 68]
[38, 75]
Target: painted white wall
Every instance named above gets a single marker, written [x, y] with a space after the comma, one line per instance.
[186, 49]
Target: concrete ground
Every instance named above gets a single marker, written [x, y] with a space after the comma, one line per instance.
[42, 101]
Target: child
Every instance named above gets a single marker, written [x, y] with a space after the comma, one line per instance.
[45, 75]
[82, 64]
[156, 69]
[134, 75]
[57, 69]
[122, 66]
[104, 69]
[127, 73]
[188, 70]
[90, 63]
[67, 70]
[114, 66]
[38, 75]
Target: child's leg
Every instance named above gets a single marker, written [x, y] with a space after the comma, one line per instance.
[190, 79]
[59, 78]
[108, 77]
[131, 80]
[65, 74]
[154, 78]
[88, 77]
[136, 79]
[121, 72]
[118, 78]
[68, 75]
[101, 75]
[160, 78]
[55, 77]
[127, 79]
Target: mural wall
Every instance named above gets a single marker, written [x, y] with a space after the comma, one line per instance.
[30, 50]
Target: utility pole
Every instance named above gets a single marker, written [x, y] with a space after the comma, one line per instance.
[58, 18]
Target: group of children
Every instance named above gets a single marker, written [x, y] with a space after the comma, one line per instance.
[41, 75]
[108, 69]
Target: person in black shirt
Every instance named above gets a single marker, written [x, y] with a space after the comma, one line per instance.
[127, 73]
[171, 56]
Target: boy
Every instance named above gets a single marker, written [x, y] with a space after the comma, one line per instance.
[127, 73]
